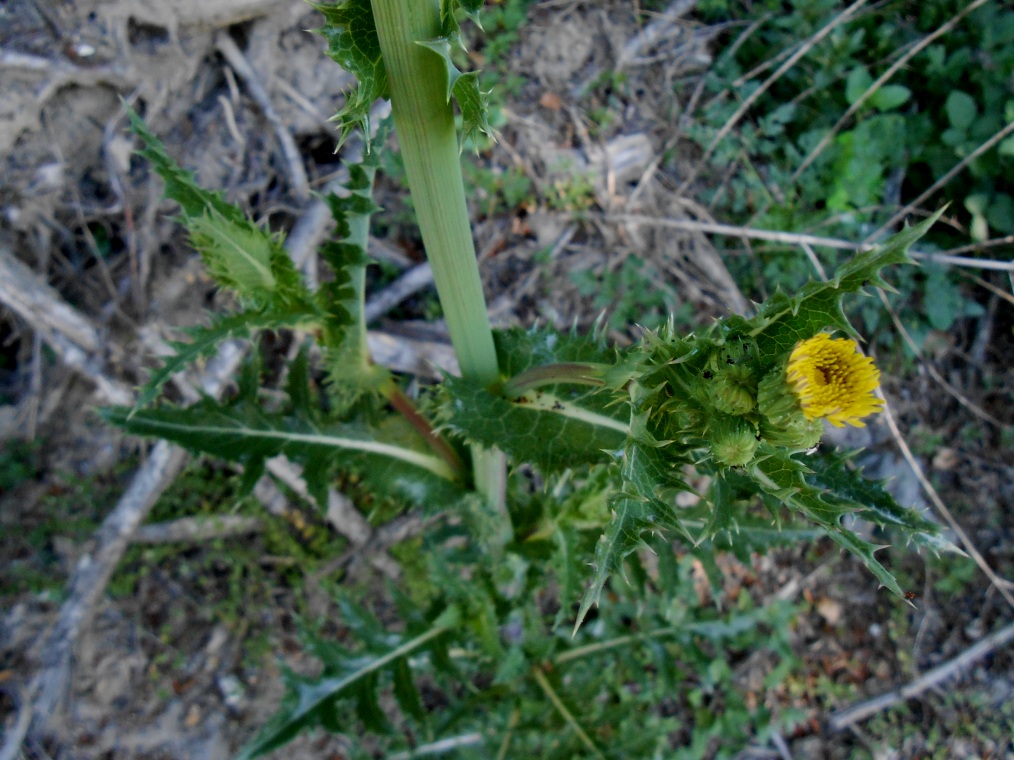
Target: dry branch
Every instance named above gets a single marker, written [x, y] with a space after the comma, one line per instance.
[659, 30]
[196, 529]
[69, 332]
[799, 239]
[41, 306]
[932, 678]
[410, 283]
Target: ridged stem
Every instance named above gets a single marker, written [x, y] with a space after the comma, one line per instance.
[424, 120]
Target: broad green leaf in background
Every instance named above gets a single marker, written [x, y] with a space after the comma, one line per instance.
[856, 84]
[961, 110]
[890, 96]
[785, 478]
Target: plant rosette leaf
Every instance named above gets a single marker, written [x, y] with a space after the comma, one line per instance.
[354, 676]
[392, 460]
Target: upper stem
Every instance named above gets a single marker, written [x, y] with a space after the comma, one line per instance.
[424, 119]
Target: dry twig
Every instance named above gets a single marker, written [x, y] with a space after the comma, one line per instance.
[411, 282]
[69, 332]
[195, 529]
[930, 679]
[657, 31]
[799, 239]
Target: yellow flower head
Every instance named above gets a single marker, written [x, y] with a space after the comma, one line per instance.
[831, 379]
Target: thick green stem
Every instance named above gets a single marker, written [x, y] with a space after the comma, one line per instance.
[424, 120]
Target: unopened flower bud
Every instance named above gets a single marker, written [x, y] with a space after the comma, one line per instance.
[734, 390]
[733, 440]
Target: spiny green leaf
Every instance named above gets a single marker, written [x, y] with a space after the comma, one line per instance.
[470, 7]
[473, 103]
[351, 34]
[750, 535]
[180, 184]
[554, 427]
[298, 386]
[204, 340]
[784, 477]
[552, 430]
[847, 484]
[728, 526]
[393, 460]
[864, 550]
[239, 254]
[311, 702]
[783, 320]
[634, 518]
[351, 372]
[518, 349]
[644, 506]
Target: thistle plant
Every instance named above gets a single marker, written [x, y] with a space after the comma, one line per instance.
[612, 435]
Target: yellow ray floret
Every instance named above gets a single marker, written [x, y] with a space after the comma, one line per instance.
[833, 380]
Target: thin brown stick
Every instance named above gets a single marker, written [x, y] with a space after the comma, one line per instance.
[196, 529]
[930, 679]
[745, 106]
[411, 282]
[1002, 585]
[799, 239]
[878, 83]
[992, 288]
[982, 244]
[655, 32]
[78, 342]
[41, 306]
